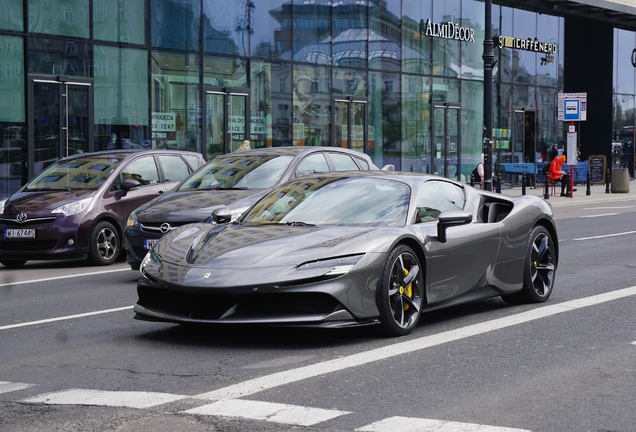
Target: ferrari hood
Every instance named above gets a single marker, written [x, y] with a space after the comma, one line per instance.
[196, 206]
[249, 247]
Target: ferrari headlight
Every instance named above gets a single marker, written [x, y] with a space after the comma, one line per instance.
[2, 203]
[73, 208]
[132, 221]
[333, 266]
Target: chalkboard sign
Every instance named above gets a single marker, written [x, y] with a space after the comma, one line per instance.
[597, 169]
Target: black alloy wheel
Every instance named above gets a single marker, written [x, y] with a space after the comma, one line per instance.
[539, 270]
[399, 293]
[104, 244]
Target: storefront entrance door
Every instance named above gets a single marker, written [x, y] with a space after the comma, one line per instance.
[226, 121]
[60, 121]
[350, 124]
[446, 140]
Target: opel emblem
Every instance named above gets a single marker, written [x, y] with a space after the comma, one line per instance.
[21, 217]
[164, 227]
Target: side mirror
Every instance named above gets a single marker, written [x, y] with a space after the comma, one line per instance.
[127, 185]
[388, 167]
[449, 219]
[222, 215]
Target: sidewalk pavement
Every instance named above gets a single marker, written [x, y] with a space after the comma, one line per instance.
[597, 194]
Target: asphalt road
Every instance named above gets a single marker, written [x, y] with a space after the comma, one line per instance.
[73, 359]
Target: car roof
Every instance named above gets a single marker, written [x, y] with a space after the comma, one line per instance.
[118, 153]
[297, 150]
[403, 176]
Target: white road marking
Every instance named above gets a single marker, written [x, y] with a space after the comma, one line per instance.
[608, 208]
[272, 412]
[64, 318]
[268, 382]
[6, 387]
[599, 215]
[408, 424]
[126, 399]
[62, 277]
[605, 236]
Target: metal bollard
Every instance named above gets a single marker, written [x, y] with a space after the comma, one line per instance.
[607, 181]
[498, 187]
[523, 184]
[546, 194]
[588, 182]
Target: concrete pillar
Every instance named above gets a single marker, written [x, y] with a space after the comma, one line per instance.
[620, 180]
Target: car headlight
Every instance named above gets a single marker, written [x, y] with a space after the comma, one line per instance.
[2, 203]
[132, 221]
[73, 208]
[151, 259]
[333, 266]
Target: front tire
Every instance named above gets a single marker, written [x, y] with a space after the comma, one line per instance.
[399, 293]
[539, 269]
[104, 244]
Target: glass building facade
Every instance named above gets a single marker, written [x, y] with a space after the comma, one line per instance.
[401, 80]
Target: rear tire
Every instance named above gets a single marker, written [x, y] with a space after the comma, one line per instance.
[399, 293]
[104, 244]
[539, 270]
[13, 263]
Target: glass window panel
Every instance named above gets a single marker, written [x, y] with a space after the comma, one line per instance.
[60, 57]
[11, 15]
[385, 118]
[174, 168]
[624, 71]
[385, 35]
[416, 155]
[312, 31]
[271, 104]
[416, 45]
[350, 33]
[143, 169]
[121, 96]
[549, 129]
[343, 162]
[225, 72]
[551, 32]
[227, 26]
[446, 52]
[445, 90]
[502, 26]
[272, 29]
[524, 62]
[175, 101]
[175, 24]
[119, 21]
[349, 82]
[13, 134]
[471, 131]
[472, 64]
[311, 113]
[59, 17]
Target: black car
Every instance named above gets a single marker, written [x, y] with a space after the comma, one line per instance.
[233, 181]
[77, 207]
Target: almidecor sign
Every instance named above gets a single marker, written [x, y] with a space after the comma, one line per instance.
[450, 30]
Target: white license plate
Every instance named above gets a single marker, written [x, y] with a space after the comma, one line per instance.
[148, 244]
[19, 233]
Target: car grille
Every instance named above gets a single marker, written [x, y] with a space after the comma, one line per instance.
[27, 245]
[155, 227]
[212, 306]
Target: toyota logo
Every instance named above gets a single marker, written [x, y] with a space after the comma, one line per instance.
[164, 228]
[21, 217]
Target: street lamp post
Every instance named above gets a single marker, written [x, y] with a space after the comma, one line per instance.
[489, 63]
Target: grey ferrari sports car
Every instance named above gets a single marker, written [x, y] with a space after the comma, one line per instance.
[353, 248]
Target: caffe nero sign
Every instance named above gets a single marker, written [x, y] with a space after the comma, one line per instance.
[525, 44]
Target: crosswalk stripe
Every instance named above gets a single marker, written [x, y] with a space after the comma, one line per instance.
[272, 412]
[6, 387]
[126, 399]
[410, 424]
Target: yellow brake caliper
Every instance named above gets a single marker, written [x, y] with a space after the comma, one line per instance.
[408, 290]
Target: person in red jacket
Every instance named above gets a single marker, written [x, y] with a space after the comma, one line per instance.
[555, 174]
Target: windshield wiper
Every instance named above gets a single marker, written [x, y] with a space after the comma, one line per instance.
[232, 188]
[68, 189]
[298, 223]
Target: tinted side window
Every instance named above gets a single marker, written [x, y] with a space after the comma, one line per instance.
[364, 164]
[435, 197]
[193, 161]
[315, 163]
[343, 162]
[174, 168]
[143, 169]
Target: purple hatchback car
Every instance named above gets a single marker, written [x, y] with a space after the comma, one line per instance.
[77, 207]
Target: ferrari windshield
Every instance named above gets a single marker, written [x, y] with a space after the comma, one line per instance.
[364, 201]
[238, 171]
[76, 174]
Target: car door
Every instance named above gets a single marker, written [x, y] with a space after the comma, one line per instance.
[464, 260]
[173, 168]
[144, 170]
